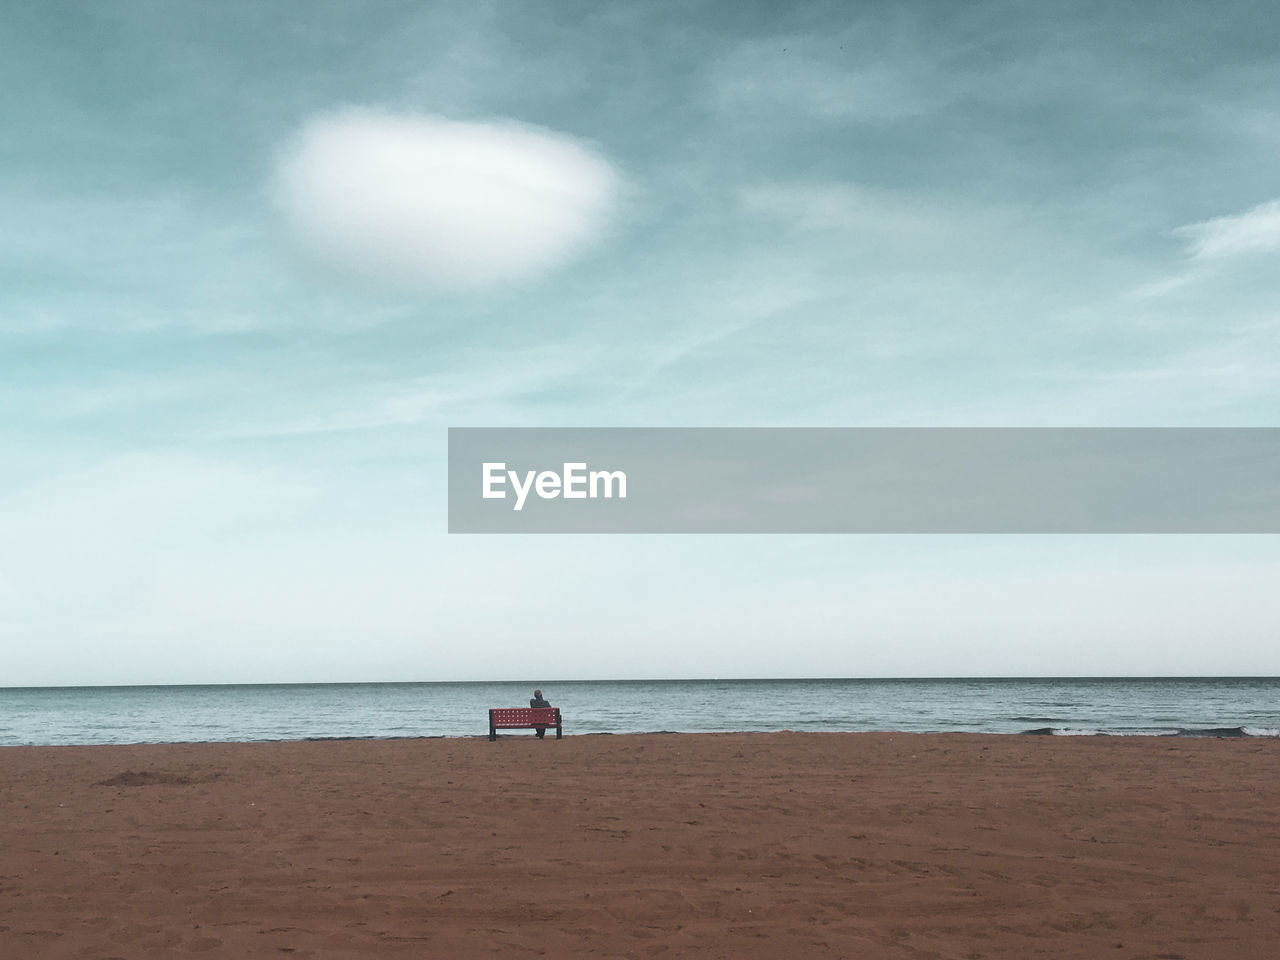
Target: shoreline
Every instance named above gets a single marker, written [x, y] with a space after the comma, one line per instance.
[635, 845]
[1219, 733]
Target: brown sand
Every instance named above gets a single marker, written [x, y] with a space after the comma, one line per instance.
[728, 845]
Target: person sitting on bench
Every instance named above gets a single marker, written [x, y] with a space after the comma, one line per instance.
[537, 701]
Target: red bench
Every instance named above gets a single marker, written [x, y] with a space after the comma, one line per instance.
[519, 718]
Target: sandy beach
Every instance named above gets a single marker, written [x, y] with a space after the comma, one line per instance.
[640, 846]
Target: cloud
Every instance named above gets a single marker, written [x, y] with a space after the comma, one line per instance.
[1257, 230]
[1212, 244]
[431, 203]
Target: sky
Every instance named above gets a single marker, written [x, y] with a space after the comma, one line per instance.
[257, 258]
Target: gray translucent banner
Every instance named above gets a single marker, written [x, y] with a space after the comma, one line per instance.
[864, 480]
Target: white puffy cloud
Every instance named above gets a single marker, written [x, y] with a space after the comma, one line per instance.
[433, 203]
[1257, 230]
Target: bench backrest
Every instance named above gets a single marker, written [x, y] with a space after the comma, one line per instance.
[524, 716]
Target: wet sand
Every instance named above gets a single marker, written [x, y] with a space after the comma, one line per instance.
[664, 845]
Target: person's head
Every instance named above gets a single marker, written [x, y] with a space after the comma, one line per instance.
[538, 694]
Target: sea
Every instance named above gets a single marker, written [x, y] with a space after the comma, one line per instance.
[1162, 707]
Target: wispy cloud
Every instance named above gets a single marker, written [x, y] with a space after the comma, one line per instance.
[1214, 243]
[1257, 230]
[497, 391]
[432, 203]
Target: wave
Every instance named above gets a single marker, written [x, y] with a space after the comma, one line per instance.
[1261, 731]
[1219, 732]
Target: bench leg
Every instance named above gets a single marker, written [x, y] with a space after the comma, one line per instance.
[559, 732]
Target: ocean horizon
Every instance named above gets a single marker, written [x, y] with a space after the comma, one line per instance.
[1065, 706]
